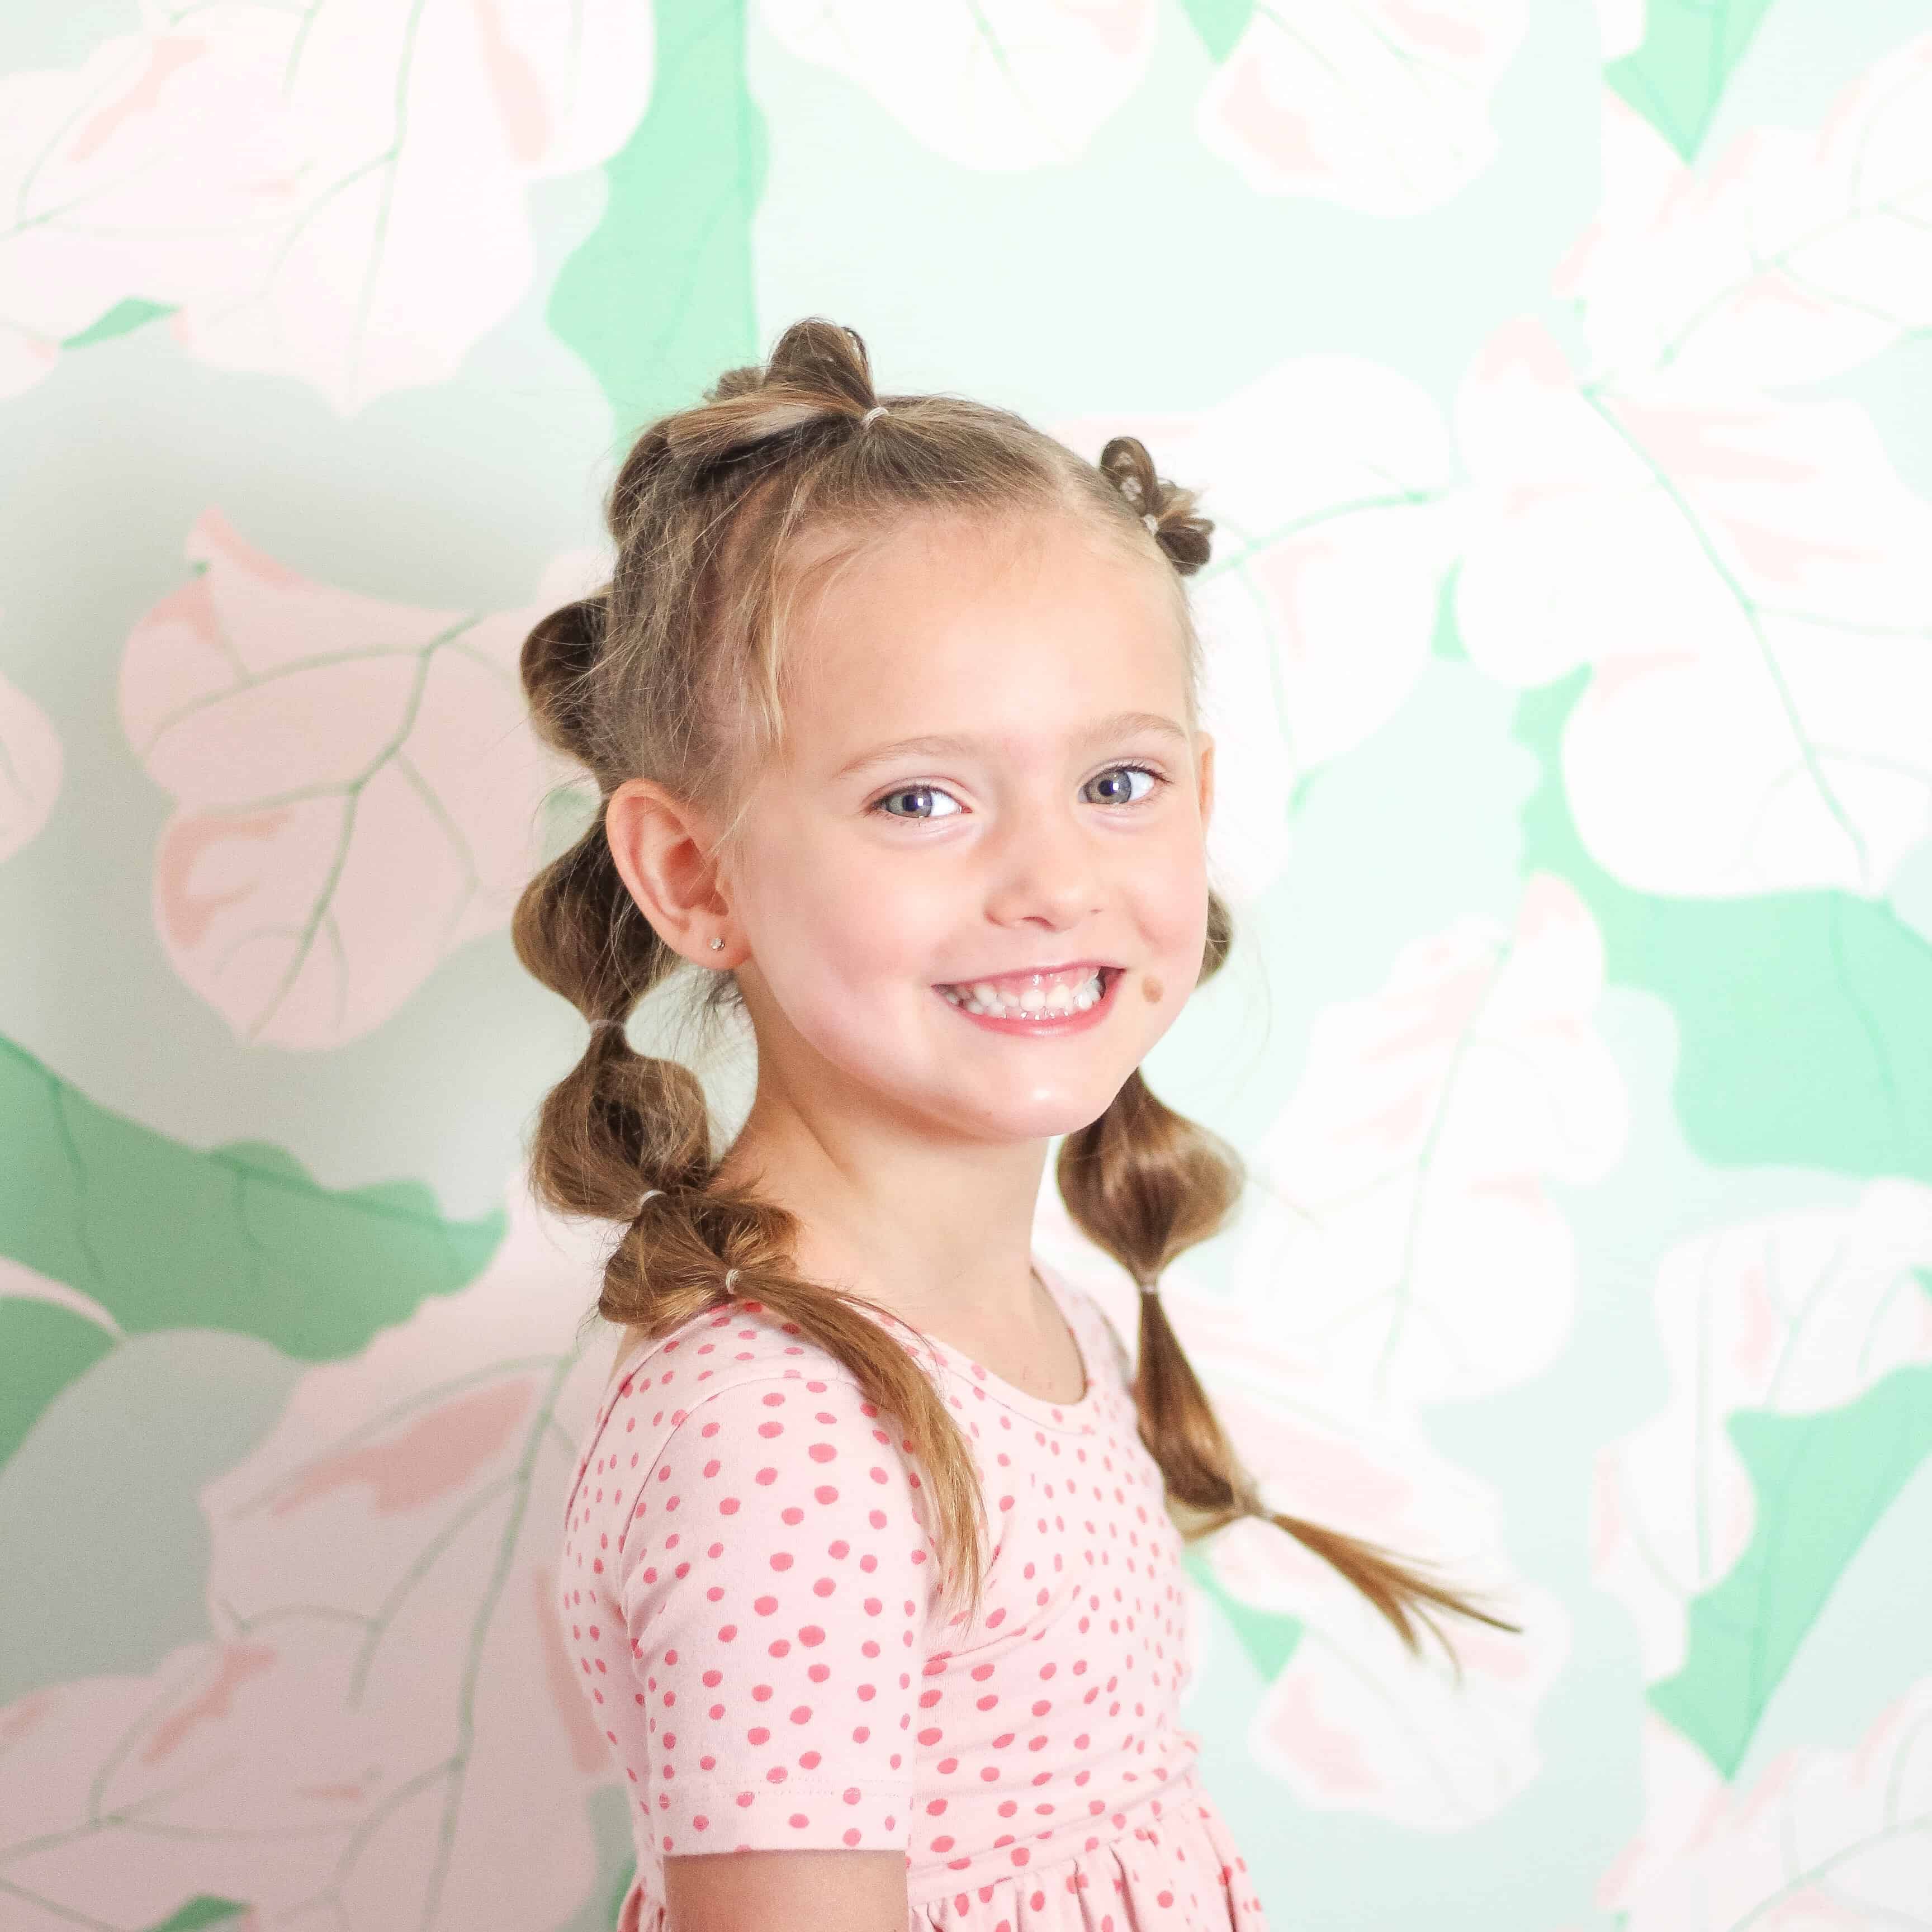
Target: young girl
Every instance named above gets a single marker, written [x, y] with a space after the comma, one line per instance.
[871, 1570]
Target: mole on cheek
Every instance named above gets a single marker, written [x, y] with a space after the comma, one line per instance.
[1150, 988]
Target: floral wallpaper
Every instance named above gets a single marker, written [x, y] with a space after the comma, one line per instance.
[1558, 376]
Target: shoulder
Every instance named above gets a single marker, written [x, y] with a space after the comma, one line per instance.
[687, 1382]
[723, 1347]
[776, 1451]
[743, 1387]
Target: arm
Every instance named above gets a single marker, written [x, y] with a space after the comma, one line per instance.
[778, 1572]
[787, 1891]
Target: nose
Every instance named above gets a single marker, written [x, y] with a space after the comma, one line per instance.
[1044, 870]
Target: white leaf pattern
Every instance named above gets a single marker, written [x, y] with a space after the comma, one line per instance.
[991, 84]
[1380, 105]
[335, 193]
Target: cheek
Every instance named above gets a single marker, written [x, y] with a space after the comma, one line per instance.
[1171, 908]
[834, 928]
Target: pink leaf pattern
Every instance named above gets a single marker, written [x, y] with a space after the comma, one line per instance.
[1753, 583]
[357, 788]
[1354, 1722]
[1402, 1224]
[1380, 105]
[1746, 571]
[334, 193]
[1823, 1841]
[1791, 256]
[375, 1733]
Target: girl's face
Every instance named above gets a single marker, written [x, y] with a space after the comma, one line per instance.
[1052, 817]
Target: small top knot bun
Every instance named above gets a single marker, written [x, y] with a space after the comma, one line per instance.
[824, 359]
[1167, 509]
[818, 373]
[747, 381]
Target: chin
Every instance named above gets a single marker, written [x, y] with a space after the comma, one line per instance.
[1044, 1116]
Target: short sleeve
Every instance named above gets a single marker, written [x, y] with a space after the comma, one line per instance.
[777, 1573]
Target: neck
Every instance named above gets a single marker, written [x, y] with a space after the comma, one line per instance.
[940, 1235]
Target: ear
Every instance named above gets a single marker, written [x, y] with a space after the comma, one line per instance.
[1204, 757]
[662, 853]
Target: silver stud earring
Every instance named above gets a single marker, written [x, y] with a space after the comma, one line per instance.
[718, 946]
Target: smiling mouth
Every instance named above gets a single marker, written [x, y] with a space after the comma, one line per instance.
[1037, 996]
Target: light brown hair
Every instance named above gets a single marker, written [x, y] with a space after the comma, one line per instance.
[671, 673]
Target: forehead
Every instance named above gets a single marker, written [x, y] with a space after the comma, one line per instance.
[1022, 631]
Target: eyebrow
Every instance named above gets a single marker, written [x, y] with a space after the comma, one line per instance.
[1122, 724]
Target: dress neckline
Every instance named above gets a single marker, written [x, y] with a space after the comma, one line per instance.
[1075, 1415]
[1071, 1415]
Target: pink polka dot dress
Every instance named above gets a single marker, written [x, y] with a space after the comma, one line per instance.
[749, 1595]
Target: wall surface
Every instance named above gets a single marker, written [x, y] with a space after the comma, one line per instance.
[1560, 377]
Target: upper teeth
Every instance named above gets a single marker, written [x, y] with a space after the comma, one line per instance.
[1064, 996]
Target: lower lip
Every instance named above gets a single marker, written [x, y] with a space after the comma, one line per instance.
[1047, 1026]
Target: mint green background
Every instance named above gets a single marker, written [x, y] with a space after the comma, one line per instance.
[1145, 277]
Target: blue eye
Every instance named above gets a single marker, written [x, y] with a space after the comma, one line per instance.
[912, 791]
[1145, 771]
[930, 792]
